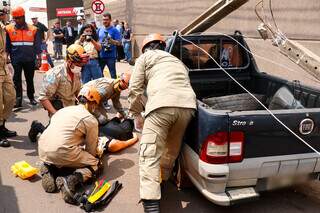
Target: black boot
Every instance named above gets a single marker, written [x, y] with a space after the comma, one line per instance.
[67, 185]
[6, 133]
[4, 142]
[48, 178]
[36, 128]
[18, 102]
[151, 206]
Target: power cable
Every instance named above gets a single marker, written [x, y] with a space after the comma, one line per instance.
[271, 11]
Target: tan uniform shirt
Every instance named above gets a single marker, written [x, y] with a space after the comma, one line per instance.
[105, 89]
[89, 48]
[166, 81]
[58, 85]
[69, 129]
[3, 56]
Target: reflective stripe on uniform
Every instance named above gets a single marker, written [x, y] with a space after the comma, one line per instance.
[22, 43]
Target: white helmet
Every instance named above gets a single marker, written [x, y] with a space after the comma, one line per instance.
[79, 18]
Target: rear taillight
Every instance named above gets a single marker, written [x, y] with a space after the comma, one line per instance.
[223, 147]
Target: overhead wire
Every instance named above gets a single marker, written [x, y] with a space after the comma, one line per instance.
[267, 25]
[254, 97]
[272, 16]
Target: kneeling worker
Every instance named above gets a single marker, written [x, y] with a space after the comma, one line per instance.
[60, 86]
[108, 89]
[71, 142]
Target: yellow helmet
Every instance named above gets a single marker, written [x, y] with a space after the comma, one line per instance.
[77, 54]
[91, 94]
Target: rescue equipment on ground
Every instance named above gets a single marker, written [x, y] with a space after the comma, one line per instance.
[23, 169]
[99, 195]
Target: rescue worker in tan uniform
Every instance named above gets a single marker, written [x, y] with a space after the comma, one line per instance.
[70, 144]
[7, 91]
[109, 89]
[60, 86]
[170, 106]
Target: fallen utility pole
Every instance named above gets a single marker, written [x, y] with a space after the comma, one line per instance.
[214, 14]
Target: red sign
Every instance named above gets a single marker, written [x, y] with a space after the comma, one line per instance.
[97, 7]
[69, 11]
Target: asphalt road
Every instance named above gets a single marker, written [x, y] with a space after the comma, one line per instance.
[27, 196]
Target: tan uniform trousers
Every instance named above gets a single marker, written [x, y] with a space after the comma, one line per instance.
[81, 161]
[160, 145]
[7, 97]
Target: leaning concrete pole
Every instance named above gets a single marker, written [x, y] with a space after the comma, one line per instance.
[214, 14]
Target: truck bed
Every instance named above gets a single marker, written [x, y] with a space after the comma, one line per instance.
[263, 86]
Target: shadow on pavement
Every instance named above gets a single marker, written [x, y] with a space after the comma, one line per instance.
[17, 119]
[22, 142]
[129, 150]
[191, 201]
[8, 199]
[116, 168]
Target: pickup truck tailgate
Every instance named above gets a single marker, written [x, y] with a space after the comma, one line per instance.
[264, 136]
[269, 149]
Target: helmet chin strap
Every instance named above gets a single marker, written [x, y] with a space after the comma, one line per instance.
[90, 107]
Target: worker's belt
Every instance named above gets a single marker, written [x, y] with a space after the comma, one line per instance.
[93, 59]
[22, 43]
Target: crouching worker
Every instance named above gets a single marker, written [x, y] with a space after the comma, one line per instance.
[60, 86]
[69, 147]
[109, 89]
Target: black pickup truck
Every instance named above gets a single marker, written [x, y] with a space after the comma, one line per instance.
[234, 148]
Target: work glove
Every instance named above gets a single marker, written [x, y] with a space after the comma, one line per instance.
[102, 141]
[122, 115]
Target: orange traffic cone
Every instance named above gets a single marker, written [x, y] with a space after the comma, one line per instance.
[44, 62]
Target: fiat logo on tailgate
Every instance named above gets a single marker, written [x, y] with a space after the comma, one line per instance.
[306, 126]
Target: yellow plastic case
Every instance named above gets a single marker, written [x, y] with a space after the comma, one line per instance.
[23, 169]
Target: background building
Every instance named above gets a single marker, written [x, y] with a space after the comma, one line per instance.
[299, 20]
[67, 6]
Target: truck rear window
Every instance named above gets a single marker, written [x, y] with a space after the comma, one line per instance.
[225, 52]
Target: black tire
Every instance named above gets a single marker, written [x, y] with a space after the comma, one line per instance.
[238, 102]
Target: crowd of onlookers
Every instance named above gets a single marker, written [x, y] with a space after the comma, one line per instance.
[68, 34]
[105, 44]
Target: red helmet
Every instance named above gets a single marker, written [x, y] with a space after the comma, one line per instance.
[18, 12]
[150, 38]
